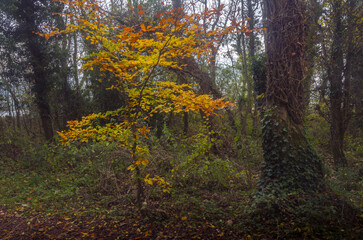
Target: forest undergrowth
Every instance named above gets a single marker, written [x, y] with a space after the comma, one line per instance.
[85, 190]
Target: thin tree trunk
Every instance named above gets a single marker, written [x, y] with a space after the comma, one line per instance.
[313, 14]
[17, 112]
[75, 56]
[10, 112]
[186, 123]
[249, 87]
[337, 128]
[242, 52]
[16, 107]
[252, 51]
[25, 123]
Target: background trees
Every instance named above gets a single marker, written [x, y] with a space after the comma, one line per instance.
[338, 53]
[43, 63]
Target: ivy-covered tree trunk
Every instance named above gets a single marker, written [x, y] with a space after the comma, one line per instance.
[291, 164]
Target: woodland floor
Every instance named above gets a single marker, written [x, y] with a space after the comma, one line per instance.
[37, 226]
[158, 225]
[202, 216]
[61, 205]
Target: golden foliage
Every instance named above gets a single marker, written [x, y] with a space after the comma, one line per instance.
[132, 54]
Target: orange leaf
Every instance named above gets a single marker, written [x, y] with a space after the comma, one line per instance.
[141, 12]
[142, 26]
[139, 7]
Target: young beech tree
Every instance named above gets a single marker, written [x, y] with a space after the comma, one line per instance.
[291, 164]
[134, 54]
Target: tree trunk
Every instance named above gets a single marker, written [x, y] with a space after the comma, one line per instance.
[242, 53]
[10, 112]
[43, 105]
[354, 68]
[252, 52]
[264, 13]
[186, 123]
[36, 46]
[335, 73]
[313, 14]
[16, 106]
[291, 164]
[17, 112]
[248, 82]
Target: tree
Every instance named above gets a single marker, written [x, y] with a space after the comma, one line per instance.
[340, 47]
[194, 68]
[42, 61]
[133, 55]
[340, 72]
[242, 52]
[291, 164]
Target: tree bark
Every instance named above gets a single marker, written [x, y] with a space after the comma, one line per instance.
[291, 164]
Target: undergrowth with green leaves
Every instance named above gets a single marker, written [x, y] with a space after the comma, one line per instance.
[210, 193]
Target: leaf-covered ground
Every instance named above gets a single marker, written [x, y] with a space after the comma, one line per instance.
[200, 215]
[158, 224]
[92, 197]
